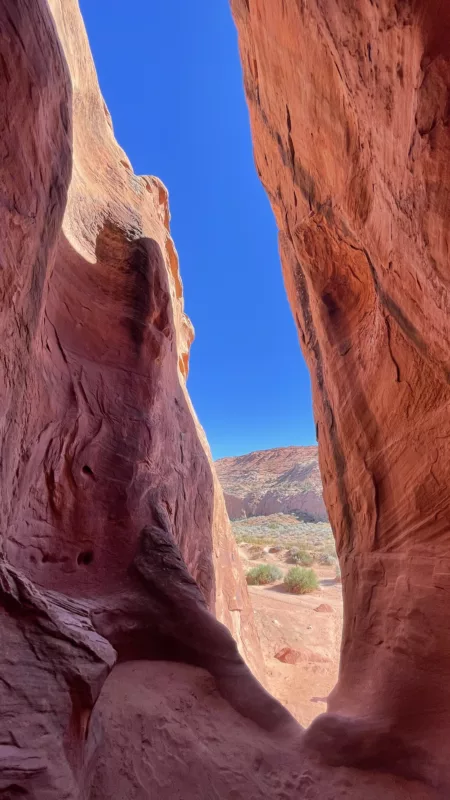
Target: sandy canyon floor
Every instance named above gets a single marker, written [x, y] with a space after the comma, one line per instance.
[303, 628]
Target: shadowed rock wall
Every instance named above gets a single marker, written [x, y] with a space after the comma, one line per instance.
[115, 543]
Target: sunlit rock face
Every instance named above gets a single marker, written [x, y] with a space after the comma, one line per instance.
[271, 481]
[349, 105]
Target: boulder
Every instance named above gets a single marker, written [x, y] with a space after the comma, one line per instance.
[324, 608]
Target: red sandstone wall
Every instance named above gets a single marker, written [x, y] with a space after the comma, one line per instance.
[98, 438]
[97, 429]
[349, 107]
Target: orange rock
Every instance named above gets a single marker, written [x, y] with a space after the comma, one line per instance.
[350, 120]
[324, 608]
[290, 656]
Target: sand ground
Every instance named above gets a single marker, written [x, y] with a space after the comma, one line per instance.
[286, 620]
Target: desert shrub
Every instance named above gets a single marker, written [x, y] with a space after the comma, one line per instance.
[265, 573]
[301, 557]
[326, 560]
[300, 580]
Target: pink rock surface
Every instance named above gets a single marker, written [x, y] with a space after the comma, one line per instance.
[349, 112]
[115, 542]
[162, 730]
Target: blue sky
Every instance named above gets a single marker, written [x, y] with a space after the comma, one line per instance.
[171, 77]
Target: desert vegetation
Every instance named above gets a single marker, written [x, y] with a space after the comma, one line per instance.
[301, 557]
[286, 529]
[264, 574]
[293, 582]
[300, 580]
[304, 543]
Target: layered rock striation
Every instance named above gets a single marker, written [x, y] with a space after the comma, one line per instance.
[349, 107]
[265, 482]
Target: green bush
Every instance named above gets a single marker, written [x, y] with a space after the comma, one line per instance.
[301, 581]
[265, 573]
[301, 557]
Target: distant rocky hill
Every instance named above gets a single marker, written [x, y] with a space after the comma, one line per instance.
[265, 482]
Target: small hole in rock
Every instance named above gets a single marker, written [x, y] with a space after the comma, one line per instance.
[86, 557]
[87, 470]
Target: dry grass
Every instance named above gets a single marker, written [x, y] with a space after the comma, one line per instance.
[286, 531]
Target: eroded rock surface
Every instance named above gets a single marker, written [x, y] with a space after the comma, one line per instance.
[115, 542]
[349, 105]
[162, 730]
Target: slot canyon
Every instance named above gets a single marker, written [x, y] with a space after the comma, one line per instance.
[130, 665]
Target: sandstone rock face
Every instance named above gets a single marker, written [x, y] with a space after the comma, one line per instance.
[349, 105]
[115, 541]
[147, 749]
[270, 481]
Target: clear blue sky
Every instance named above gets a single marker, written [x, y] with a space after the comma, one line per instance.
[171, 77]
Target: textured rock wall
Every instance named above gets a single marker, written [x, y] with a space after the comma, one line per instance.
[97, 427]
[115, 543]
[349, 106]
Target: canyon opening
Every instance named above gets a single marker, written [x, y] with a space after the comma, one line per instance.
[132, 660]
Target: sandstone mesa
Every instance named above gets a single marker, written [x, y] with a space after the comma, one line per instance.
[269, 481]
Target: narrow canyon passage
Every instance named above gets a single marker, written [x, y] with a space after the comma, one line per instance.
[286, 546]
[131, 665]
